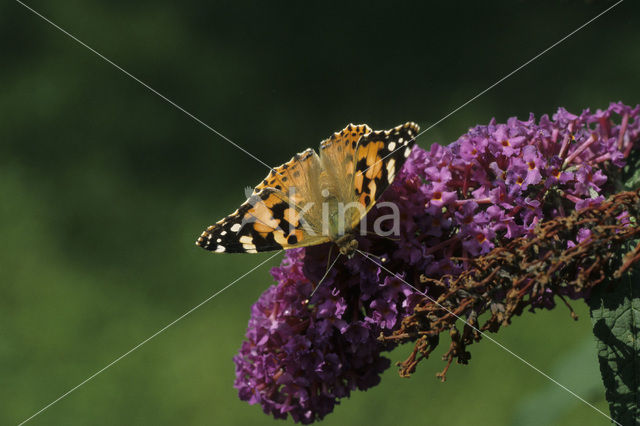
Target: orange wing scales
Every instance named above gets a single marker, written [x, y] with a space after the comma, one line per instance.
[262, 223]
[338, 159]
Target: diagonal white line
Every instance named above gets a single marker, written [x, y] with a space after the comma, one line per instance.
[143, 84]
[520, 67]
[502, 79]
[146, 340]
[493, 340]
[324, 276]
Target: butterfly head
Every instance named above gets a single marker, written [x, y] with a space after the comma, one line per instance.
[348, 245]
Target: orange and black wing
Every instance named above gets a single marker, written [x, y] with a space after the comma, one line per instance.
[280, 214]
[338, 157]
[379, 157]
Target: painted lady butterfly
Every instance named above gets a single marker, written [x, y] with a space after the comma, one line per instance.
[302, 202]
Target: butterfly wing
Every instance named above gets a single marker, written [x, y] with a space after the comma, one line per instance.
[297, 179]
[379, 156]
[282, 212]
[338, 158]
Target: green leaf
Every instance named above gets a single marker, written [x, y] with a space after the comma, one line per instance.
[615, 314]
[631, 171]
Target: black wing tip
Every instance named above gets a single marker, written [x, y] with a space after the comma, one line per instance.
[205, 240]
[409, 127]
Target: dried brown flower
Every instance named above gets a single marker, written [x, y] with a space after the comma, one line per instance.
[527, 272]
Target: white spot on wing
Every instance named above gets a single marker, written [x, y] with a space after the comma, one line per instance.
[236, 227]
[247, 244]
[407, 151]
[392, 146]
[391, 169]
[245, 239]
[220, 249]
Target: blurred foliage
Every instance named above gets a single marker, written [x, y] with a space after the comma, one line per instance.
[574, 366]
[104, 186]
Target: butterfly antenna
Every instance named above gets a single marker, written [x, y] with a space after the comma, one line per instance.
[324, 276]
[381, 259]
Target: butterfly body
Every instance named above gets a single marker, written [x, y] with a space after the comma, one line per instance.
[347, 245]
[313, 199]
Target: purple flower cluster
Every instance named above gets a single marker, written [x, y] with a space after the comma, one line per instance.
[498, 181]
[493, 184]
[299, 359]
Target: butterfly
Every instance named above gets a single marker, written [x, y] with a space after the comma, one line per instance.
[313, 199]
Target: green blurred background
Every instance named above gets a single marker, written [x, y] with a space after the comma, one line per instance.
[104, 187]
